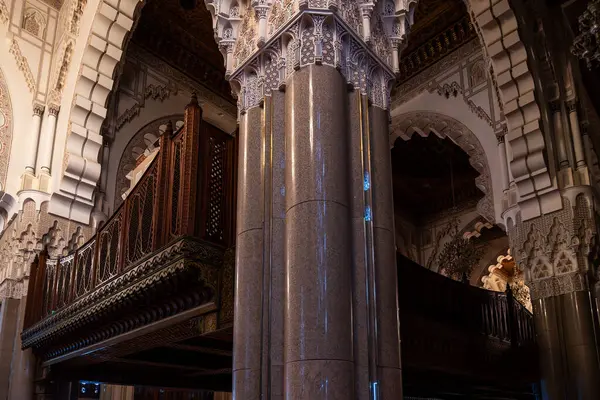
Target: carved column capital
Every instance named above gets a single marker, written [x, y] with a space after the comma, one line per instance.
[38, 109]
[53, 109]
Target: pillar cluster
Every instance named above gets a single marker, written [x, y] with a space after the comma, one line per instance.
[316, 288]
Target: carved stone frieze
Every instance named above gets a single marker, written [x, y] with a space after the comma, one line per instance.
[553, 249]
[424, 122]
[13, 289]
[558, 285]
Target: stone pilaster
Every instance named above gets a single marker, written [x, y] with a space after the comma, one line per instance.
[553, 250]
[315, 217]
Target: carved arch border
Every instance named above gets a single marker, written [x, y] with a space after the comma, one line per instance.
[6, 130]
[405, 125]
[138, 140]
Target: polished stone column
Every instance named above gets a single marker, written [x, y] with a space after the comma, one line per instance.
[548, 333]
[9, 315]
[249, 319]
[389, 374]
[318, 315]
[583, 380]
[503, 163]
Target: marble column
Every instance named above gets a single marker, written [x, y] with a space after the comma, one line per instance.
[36, 124]
[318, 315]
[576, 134]
[559, 137]
[386, 335]
[503, 162]
[9, 315]
[46, 143]
[248, 325]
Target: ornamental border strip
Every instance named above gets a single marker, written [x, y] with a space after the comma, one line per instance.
[183, 246]
[88, 316]
[147, 317]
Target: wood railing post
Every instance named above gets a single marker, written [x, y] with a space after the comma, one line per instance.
[511, 320]
[191, 153]
[231, 191]
[31, 288]
[161, 223]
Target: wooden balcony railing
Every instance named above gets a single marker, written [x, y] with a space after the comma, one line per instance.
[188, 190]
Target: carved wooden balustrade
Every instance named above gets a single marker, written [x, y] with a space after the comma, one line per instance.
[160, 253]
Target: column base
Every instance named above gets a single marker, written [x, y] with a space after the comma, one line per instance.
[29, 181]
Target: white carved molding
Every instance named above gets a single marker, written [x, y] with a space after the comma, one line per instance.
[74, 198]
[497, 26]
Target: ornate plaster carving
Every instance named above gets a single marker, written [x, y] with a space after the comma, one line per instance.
[241, 29]
[6, 126]
[424, 122]
[34, 22]
[22, 64]
[553, 249]
[32, 229]
[155, 92]
[312, 38]
[3, 12]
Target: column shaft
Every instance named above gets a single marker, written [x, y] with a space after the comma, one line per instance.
[364, 349]
[563, 160]
[248, 316]
[577, 140]
[318, 315]
[547, 327]
[580, 346]
[23, 364]
[46, 143]
[503, 163]
[36, 124]
[389, 374]
[9, 311]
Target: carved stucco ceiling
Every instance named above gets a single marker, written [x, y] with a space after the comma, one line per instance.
[184, 39]
[431, 18]
[424, 169]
